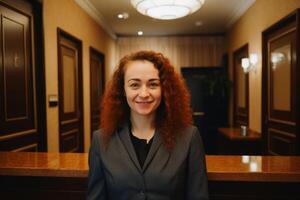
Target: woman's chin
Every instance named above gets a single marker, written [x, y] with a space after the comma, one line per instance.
[144, 112]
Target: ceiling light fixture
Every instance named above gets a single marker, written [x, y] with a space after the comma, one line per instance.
[198, 23]
[123, 15]
[140, 33]
[167, 9]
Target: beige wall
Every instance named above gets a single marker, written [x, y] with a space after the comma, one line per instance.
[248, 29]
[67, 15]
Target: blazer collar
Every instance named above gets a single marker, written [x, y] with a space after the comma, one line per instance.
[124, 135]
[157, 141]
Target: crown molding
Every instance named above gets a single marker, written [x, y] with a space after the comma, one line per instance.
[90, 9]
[239, 12]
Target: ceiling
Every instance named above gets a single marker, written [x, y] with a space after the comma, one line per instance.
[216, 16]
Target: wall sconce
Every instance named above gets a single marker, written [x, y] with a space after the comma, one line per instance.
[248, 64]
[276, 58]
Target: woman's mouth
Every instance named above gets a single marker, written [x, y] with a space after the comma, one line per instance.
[143, 102]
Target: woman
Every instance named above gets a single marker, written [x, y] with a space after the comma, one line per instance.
[146, 147]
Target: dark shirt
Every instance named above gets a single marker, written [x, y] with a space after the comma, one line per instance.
[141, 148]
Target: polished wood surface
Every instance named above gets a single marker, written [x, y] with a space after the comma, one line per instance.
[44, 164]
[254, 168]
[219, 168]
[233, 133]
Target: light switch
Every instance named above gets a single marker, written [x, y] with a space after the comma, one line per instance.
[53, 100]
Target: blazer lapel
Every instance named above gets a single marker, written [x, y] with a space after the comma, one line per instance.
[157, 141]
[125, 138]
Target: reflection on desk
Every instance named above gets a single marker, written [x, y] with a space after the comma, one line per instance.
[63, 176]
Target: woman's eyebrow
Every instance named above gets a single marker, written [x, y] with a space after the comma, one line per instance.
[154, 79]
[133, 79]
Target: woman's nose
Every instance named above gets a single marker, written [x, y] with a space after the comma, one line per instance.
[144, 92]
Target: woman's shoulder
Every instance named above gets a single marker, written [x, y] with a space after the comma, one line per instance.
[189, 133]
[191, 130]
[97, 133]
[97, 136]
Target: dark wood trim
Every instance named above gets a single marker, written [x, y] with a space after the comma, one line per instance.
[102, 57]
[40, 75]
[266, 34]
[62, 33]
[297, 70]
[264, 90]
[20, 6]
[61, 188]
[245, 117]
[92, 49]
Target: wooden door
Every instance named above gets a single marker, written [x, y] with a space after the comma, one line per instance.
[18, 110]
[97, 74]
[280, 116]
[241, 88]
[70, 93]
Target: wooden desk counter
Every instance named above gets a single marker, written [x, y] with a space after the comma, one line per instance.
[233, 133]
[225, 168]
[63, 176]
[44, 164]
[232, 142]
[254, 168]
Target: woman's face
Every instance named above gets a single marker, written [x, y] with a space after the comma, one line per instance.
[142, 87]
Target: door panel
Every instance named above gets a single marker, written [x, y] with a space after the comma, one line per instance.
[70, 93]
[282, 103]
[280, 88]
[97, 74]
[18, 125]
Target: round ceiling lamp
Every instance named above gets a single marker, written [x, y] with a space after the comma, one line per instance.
[167, 9]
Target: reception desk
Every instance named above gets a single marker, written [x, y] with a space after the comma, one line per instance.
[64, 176]
[232, 141]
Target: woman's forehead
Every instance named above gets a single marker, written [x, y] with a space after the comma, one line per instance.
[140, 68]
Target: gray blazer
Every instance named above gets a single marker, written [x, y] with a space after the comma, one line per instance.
[115, 172]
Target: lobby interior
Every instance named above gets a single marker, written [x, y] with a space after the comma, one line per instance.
[243, 75]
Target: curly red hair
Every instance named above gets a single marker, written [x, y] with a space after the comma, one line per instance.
[174, 109]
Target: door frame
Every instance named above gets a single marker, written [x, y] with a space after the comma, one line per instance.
[62, 33]
[294, 16]
[102, 57]
[240, 115]
[40, 75]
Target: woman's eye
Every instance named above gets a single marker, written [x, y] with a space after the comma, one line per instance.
[134, 85]
[154, 85]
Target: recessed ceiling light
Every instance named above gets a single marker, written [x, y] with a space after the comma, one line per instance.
[198, 23]
[140, 33]
[123, 15]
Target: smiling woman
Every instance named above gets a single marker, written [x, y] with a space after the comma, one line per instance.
[147, 147]
[142, 88]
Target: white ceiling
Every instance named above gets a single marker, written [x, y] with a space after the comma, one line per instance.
[216, 15]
